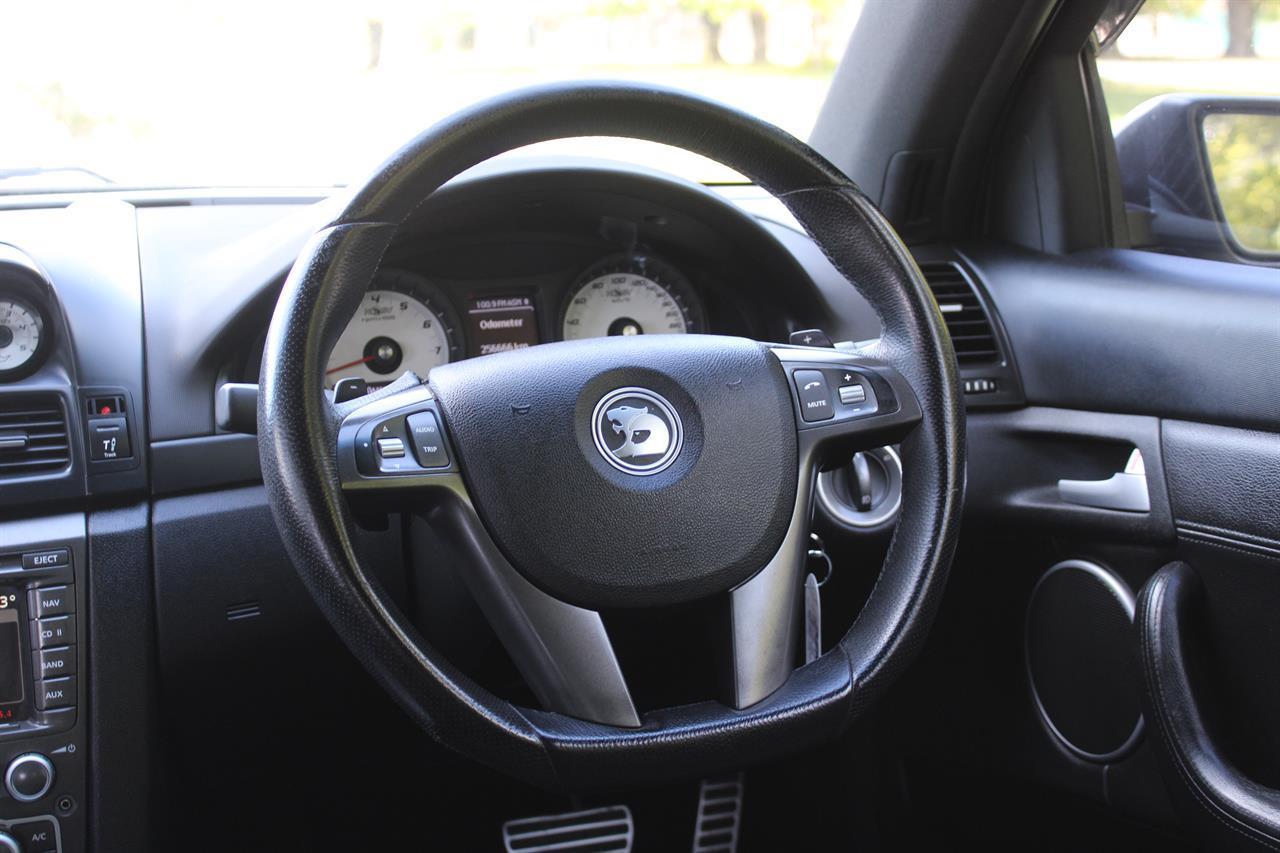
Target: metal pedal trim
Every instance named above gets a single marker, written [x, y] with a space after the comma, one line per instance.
[719, 815]
[605, 829]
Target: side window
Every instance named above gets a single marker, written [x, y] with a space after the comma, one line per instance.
[1192, 88]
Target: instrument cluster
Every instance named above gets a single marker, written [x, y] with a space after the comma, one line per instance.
[25, 334]
[406, 321]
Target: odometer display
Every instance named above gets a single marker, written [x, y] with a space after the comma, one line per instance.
[630, 295]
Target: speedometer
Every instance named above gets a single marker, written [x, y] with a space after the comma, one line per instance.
[23, 337]
[403, 323]
[630, 295]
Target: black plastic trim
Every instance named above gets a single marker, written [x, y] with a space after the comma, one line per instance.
[204, 462]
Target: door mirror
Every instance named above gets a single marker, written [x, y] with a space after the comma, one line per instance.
[1201, 176]
[1243, 150]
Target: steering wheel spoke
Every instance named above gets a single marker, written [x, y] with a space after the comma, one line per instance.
[844, 403]
[562, 651]
[396, 444]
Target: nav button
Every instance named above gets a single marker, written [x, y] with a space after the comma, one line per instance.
[428, 442]
[815, 395]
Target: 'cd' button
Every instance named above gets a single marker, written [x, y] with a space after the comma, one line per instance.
[815, 395]
[58, 631]
[428, 441]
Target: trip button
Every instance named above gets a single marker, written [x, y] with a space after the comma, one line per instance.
[55, 662]
[56, 693]
[52, 601]
[428, 443]
[815, 395]
[58, 631]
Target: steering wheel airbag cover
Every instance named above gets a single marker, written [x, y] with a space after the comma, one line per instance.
[593, 535]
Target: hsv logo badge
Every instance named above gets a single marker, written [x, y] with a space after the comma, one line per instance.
[637, 431]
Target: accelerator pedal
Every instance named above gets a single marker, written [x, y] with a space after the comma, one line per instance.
[719, 815]
[606, 829]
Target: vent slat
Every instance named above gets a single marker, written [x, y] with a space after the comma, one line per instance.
[40, 419]
[967, 322]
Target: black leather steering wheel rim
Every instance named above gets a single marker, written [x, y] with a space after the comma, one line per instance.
[298, 426]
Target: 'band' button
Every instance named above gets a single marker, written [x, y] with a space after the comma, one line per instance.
[55, 662]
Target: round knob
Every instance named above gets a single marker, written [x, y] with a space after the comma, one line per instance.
[29, 777]
[9, 844]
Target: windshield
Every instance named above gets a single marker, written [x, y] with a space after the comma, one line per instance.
[173, 93]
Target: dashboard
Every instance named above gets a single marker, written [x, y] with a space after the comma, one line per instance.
[123, 316]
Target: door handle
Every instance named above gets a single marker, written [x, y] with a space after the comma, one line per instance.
[1125, 491]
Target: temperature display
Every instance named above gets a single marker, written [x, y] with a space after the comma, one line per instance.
[10, 652]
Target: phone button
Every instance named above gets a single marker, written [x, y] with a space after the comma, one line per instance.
[815, 395]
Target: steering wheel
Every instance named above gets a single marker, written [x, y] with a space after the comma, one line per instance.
[617, 472]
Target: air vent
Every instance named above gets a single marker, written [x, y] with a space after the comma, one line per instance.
[966, 320]
[33, 434]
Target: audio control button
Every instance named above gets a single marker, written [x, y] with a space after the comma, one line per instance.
[29, 777]
[428, 443]
[47, 559]
[56, 693]
[58, 631]
[815, 395]
[52, 601]
[55, 662]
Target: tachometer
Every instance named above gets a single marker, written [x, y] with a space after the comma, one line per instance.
[403, 323]
[23, 337]
[630, 295]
